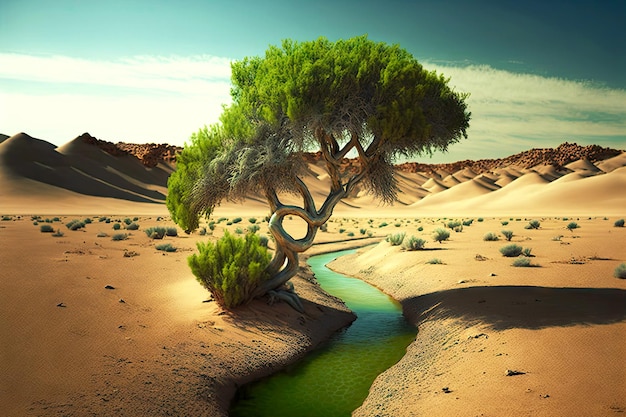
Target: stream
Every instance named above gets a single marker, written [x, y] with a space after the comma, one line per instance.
[334, 380]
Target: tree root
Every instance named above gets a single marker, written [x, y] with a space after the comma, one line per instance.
[288, 295]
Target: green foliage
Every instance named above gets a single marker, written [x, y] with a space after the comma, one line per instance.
[102, 234]
[171, 231]
[166, 247]
[46, 228]
[75, 224]
[119, 236]
[132, 226]
[87, 220]
[58, 233]
[619, 223]
[490, 237]
[383, 224]
[508, 234]
[231, 268]
[253, 228]
[362, 231]
[155, 232]
[435, 261]
[239, 231]
[237, 220]
[117, 226]
[350, 234]
[6, 218]
[252, 220]
[533, 224]
[522, 263]
[511, 250]
[413, 243]
[127, 221]
[441, 235]
[504, 222]
[420, 229]
[527, 252]
[454, 224]
[480, 219]
[395, 238]
[468, 222]
[572, 225]
[620, 271]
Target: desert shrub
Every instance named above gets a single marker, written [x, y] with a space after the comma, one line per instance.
[522, 263]
[620, 271]
[211, 225]
[171, 231]
[237, 220]
[264, 241]
[35, 223]
[231, 268]
[363, 231]
[102, 219]
[350, 234]
[490, 237]
[527, 252]
[395, 238]
[458, 229]
[413, 243]
[6, 218]
[468, 222]
[480, 219]
[155, 232]
[619, 223]
[87, 220]
[504, 222]
[222, 219]
[127, 221]
[202, 231]
[58, 233]
[435, 261]
[166, 247]
[533, 224]
[511, 251]
[132, 226]
[117, 226]
[239, 231]
[453, 224]
[135, 219]
[102, 234]
[253, 228]
[572, 225]
[383, 224]
[75, 225]
[420, 229]
[252, 220]
[441, 235]
[341, 230]
[397, 224]
[119, 236]
[508, 234]
[46, 228]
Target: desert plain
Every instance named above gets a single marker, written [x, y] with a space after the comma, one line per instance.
[96, 326]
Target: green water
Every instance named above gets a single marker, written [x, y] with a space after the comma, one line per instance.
[334, 380]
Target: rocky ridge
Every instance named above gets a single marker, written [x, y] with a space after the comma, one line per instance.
[150, 154]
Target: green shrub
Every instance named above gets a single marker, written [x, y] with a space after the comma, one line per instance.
[619, 223]
[132, 226]
[117, 226]
[350, 234]
[533, 224]
[252, 220]
[435, 261]
[420, 229]
[522, 263]
[508, 234]
[527, 252]
[102, 234]
[58, 233]
[490, 237]
[453, 224]
[511, 251]
[87, 220]
[413, 243]
[46, 228]
[573, 225]
[383, 224]
[75, 225]
[166, 247]
[120, 236]
[239, 231]
[396, 238]
[341, 230]
[504, 222]
[211, 225]
[155, 232]
[620, 271]
[264, 241]
[253, 228]
[231, 268]
[237, 220]
[171, 231]
[127, 221]
[222, 219]
[441, 235]
[480, 219]
[468, 222]
[363, 231]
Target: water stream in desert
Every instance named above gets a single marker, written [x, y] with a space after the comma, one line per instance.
[334, 380]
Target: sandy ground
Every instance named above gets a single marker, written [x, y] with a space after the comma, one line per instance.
[561, 325]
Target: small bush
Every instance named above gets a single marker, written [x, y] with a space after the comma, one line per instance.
[117, 226]
[119, 236]
[132, 226]
[420, 229]
[619, 223]
[264, 241]
[253, 228]
[350, 234]
[102, 234]
[341, 230]
[441, 235]
[480, 219]
[533, 224]
[87, 220]
[363, 231]
[58, 233]
[527, 252]
[396, 238]
[75, 225]
[508, 234]
[155, 232]
[171, 231]
[504, 222]
[490, 237]
[383, 224]
[435, 261]
[46, 228]
[239, 231]
[573, 225]
[252, 220]
[211, 225]
[620, 271]
[453, 224]
[413, 243]
[127, 221]
[511, 251]
[166, 247]
[231, 268]
[468, 222]
[522, 263]
[237, 220]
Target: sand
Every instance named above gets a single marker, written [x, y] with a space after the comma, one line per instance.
[86, 330]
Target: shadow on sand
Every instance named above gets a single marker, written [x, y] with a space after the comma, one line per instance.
[527, 307]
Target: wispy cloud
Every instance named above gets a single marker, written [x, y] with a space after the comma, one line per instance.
[156, 98]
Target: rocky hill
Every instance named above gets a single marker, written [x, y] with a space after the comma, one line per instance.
[149, 154]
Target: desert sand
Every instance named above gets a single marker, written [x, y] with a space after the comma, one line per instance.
[93, 326]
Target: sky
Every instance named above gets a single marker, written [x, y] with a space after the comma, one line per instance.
[539, 73]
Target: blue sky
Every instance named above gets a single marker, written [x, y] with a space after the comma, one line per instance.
[539, 73]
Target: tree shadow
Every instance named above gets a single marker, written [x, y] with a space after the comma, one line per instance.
[526, 307]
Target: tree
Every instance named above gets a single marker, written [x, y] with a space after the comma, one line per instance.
[372, 99]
